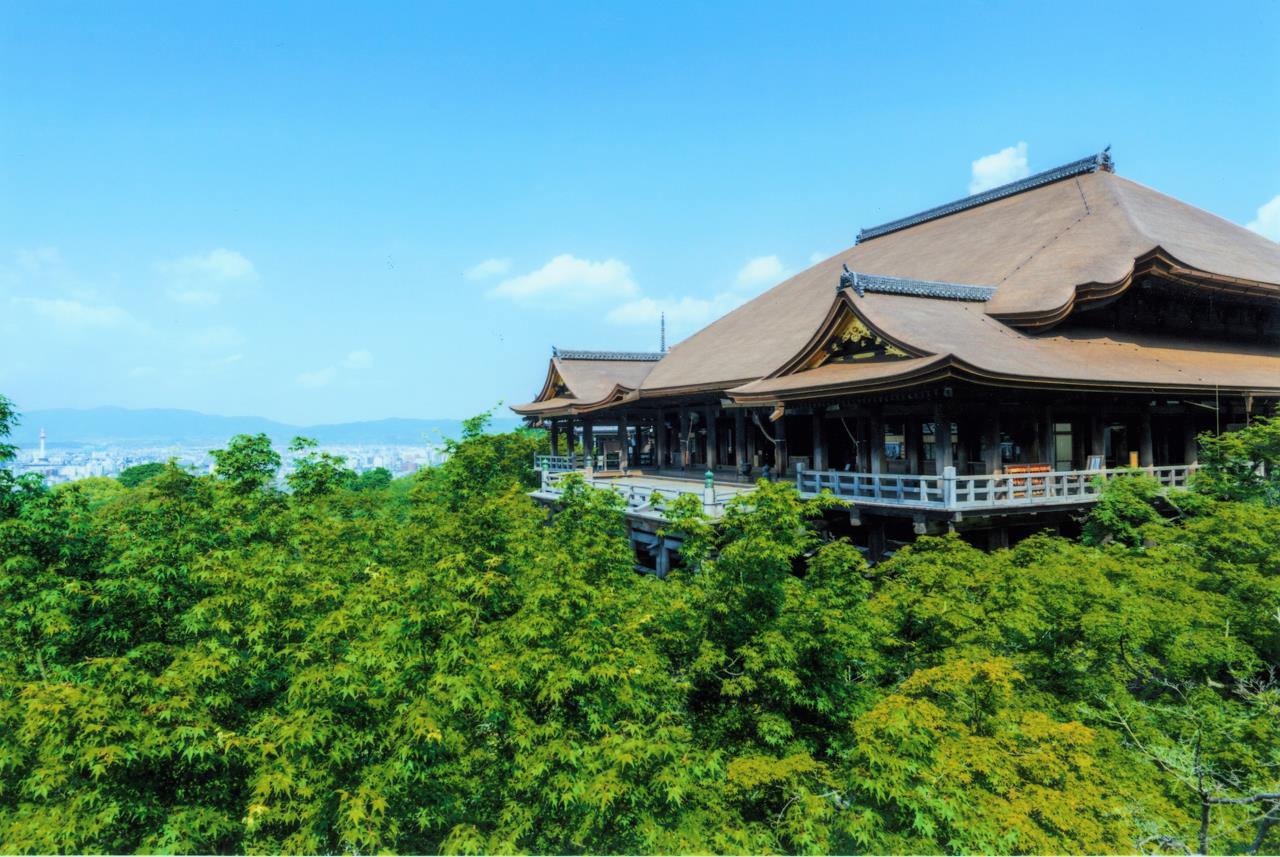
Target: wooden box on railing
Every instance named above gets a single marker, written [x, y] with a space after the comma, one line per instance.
[1029, 486]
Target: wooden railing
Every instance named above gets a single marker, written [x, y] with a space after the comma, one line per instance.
[640, 497]
[557, 463]
[991, 491]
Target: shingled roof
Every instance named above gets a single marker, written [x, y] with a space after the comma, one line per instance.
[581, 380]
[1042, 250]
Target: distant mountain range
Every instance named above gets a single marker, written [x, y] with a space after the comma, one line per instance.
[93, 426]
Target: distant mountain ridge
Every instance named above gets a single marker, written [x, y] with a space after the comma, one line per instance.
[111, 425]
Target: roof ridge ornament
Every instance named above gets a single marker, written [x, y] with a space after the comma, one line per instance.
[568, 354]
[1092, 164]
[863, 283]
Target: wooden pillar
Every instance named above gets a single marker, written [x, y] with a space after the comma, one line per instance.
[1145, 458]
[740, 455]
[875, 441]
[820, 439]
[713, 438]
[913, 437]
[943, 456]
[555, 437]
[780, 459]
[1047, 440]
[660, 439]
[624, 444]
[682, 446]
[1190, 448]
[1097, 436]
[877, 542]
[569, 439]
[991, 441]
[588, 444]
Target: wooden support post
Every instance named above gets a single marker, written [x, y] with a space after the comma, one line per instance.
[991, 441]
[1048, 440]
[877, 542]
[913, 437]
[998, 538]
[740, 456]
[660, 439]
[819, 439]
[588, 444]
[781, 462]
[1145, 457]
[1190, 448]
[683, 447]
[555, 437]
[569, 439]
[662, 559]
[943, 456]
[713, 439]
[875, 440]
[624, 441]
[1098, 434]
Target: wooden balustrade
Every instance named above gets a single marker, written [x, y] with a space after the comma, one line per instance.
[951, 492]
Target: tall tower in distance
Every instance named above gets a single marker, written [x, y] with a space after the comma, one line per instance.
[42, 444]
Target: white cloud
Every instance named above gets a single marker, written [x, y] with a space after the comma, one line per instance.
[220, 264]
[1007, 165]
[487, 268]
[818, 256]
[359, 359]
[216, 337]
[199, 280]
[568, 279]
[320, 378]
[143, 372]
[684, 315]
[1267, 223]
[75, 314]
[762, 271]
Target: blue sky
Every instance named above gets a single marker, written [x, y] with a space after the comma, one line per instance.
[322, 212]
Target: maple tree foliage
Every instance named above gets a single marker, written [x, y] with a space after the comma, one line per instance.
[226, 664]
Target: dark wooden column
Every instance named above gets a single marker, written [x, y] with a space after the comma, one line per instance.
[660, 439]
[683, 445]
[1047, 440]
[1190, 449]
[991, 441]
[555, 437]
[588, 443]
[740, 455]
[780, 459]
[1098, 436]
[875, 440]
[913, 437]
[943, 455]
[820, 439]
[713, 438]
[624, 446]
[1145, 457]
[569, 439]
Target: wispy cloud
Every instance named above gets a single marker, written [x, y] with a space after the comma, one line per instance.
[215, 337]
[74, 314]
[201, 279]
[762, 271]
[487, 268]
[818, 256]
[319, 378]
[684, 315]
[1267, 223]
[1007, 165]
[359, 359]
[567, 279]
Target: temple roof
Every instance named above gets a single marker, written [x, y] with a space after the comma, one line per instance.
[578, 380]
[1042, 250]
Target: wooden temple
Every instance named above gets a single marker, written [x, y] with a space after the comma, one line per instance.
[975, 366]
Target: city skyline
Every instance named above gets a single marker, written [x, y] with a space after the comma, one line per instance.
[399, 214]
